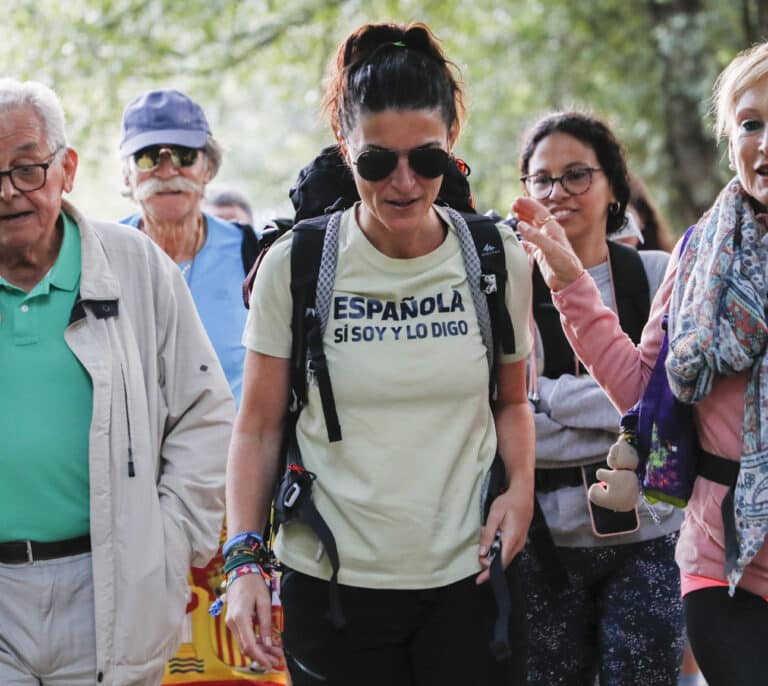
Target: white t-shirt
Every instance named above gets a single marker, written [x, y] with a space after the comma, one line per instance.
[401, 490]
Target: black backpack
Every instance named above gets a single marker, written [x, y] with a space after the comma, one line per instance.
[324, 188]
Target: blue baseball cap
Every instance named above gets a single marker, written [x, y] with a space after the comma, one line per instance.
[163, 117]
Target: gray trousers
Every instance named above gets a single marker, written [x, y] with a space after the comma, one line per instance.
[47, 630]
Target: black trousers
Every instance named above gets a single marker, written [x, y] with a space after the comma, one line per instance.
[728, 636]
[428, 637]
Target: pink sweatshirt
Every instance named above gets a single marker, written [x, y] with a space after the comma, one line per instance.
[623, 371]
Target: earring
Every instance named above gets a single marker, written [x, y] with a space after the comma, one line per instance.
[614, 208]
[730, 165]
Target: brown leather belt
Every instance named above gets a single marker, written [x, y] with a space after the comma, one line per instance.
[25, 552]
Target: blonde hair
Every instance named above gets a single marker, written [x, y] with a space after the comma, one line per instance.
[745, 70]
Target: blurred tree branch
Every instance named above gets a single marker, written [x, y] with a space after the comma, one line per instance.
[257, 65]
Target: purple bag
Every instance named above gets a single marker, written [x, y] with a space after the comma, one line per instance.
[664, 434]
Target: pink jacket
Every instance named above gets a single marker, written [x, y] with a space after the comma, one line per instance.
[623, 371]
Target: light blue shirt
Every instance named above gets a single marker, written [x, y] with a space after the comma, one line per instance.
[215, 277]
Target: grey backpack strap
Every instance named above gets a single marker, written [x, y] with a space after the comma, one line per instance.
[326, 276]
[474, 276]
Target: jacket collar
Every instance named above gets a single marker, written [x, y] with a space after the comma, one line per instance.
[97, 280]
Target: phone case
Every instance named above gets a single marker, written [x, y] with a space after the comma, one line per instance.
[607, 522]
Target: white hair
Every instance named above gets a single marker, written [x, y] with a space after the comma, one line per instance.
[16, 94]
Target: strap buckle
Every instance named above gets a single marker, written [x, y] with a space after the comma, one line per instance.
[488, 283]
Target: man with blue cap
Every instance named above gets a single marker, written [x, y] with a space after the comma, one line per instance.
[169, 156]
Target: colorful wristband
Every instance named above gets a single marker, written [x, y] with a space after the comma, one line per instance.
[243, 570]
[246, 539]
[239, 558]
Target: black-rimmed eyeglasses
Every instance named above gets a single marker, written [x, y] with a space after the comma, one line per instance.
[575, 181]
[26, 178]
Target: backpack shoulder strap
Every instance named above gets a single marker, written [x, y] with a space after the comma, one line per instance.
[558, 354]
[310, 248]
[485, 263]
[631, 288]
[255, 248]
[313, 255]
[490, 250]
[249, 246]
[630, 283]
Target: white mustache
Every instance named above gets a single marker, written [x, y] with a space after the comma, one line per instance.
[152, 186]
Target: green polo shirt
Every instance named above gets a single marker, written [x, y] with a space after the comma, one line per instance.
[46, 400]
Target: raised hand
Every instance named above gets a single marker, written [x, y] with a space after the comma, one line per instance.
[545, 239]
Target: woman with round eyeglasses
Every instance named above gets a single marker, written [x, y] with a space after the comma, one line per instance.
[402, 490]
[714, 300]
[603, 596]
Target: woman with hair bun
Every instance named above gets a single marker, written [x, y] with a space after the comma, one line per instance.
[401, 491]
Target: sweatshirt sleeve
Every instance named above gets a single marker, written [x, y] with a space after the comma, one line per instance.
[566, 434]
[621, 368]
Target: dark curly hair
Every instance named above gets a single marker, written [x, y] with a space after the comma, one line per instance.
[391, 66]
[597, 135]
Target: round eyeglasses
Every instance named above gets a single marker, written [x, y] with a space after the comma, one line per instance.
[26, 178]
[574, 182]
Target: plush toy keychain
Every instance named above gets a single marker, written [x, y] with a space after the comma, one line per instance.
[620, 486]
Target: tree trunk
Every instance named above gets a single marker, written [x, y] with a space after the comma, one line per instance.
[693, 154]
[754, 17]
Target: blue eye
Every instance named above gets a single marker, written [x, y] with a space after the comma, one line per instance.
[751, 125]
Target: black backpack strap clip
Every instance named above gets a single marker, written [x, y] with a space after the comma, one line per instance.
[293, 502]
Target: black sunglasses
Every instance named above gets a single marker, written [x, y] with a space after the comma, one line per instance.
[148, 158]
[375, 165]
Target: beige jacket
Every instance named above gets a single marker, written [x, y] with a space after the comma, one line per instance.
[162, 418]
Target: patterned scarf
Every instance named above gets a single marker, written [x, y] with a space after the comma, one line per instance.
[717, 325]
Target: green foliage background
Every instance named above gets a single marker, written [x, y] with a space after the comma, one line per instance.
[256, 66]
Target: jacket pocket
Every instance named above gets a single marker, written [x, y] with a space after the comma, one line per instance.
[152, 596]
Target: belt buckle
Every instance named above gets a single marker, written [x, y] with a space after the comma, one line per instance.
[30, 557]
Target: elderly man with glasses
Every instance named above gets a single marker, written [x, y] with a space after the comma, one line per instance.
[115, 418]
[169, 156]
